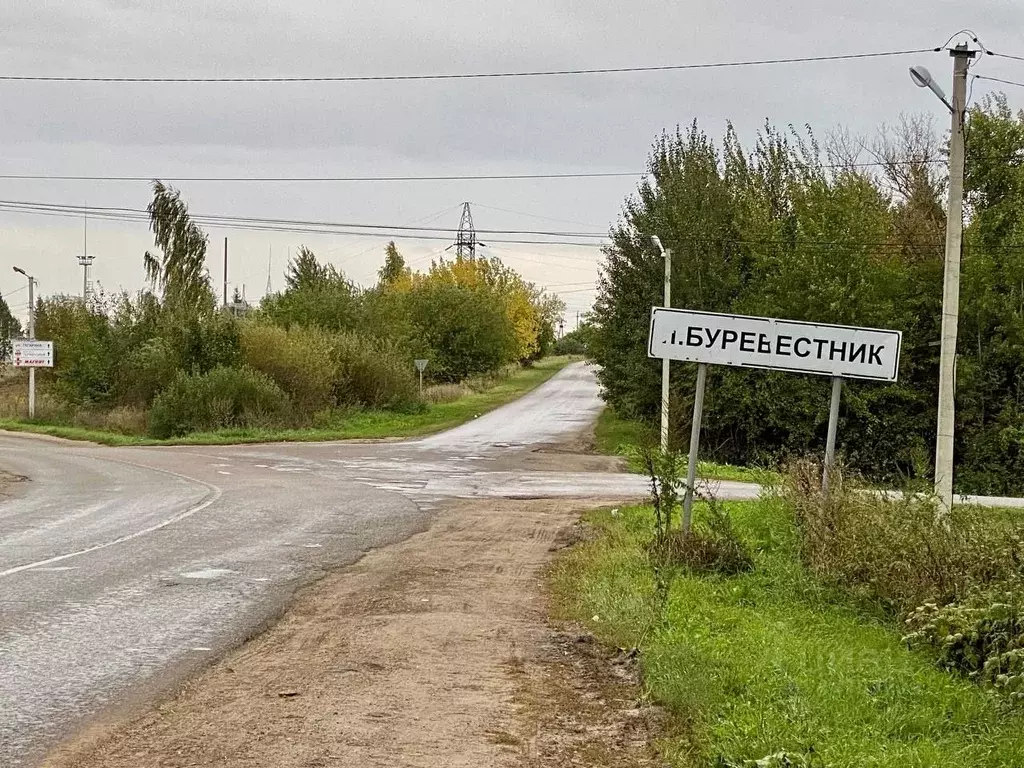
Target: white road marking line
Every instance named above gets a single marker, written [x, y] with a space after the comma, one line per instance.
[215, 495]
[222, 472]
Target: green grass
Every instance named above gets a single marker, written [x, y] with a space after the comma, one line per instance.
[770, 661]
[614, 436]
[358, 425]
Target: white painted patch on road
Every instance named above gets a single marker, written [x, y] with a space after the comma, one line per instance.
[222, 472]
[208, 573]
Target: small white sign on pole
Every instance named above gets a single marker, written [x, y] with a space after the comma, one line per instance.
[786, 345]
[421, 365]
[28, 353]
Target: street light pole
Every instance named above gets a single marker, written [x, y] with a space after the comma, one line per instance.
[31, 335]
[951, 284]
[666, 254]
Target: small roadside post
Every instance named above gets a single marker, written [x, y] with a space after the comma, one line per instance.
[421, 365]
[709, 338]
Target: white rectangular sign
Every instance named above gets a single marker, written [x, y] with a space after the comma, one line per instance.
[32, 354]
[786, 345]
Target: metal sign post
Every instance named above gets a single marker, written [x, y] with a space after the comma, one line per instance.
[833, 426]
[709, 338]
[421, 365]
[691, 470]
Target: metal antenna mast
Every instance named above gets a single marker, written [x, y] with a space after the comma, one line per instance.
[465, 241]
[85, 260]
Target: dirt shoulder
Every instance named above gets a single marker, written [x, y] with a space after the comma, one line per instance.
[433, 652]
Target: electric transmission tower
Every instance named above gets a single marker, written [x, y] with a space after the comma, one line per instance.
[270, 264]
[465, 241]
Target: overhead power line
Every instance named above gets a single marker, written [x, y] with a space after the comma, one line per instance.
[1005, 56]
[273, 179]
[452, 177]
[999, 80]
[466, 75]
[140, 213]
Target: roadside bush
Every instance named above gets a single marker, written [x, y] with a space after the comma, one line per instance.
[892, 549]
[982, 638]
[298, 359]
[221, 398]
[146, 370]
[570, 344]
[712, 545]
[373, 373]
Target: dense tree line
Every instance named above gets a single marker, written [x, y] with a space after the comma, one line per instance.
[180, 363]
[800, 229]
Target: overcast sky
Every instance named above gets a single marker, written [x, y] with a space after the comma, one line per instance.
[510, 126]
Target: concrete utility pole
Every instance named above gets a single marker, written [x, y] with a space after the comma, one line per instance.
[666, 253]
[31, 335]
[962, 56]
[225, 271]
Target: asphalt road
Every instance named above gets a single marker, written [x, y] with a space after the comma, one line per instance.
[123, 569]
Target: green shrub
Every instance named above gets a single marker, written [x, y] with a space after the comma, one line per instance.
[982, 638]
[892, 549]
[221, 398]
[299, 360]
[146, 370]
[712, 545]
[372, 373]
[572, 343]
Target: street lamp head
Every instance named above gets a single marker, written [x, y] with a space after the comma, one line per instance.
[21, 271]
[921, 76]
[657, 244]
[923, 79]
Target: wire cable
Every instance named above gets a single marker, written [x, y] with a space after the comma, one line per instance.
[1006, 56]
[440, 178]
[999, 80]
[467, 75]
[276, 179]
